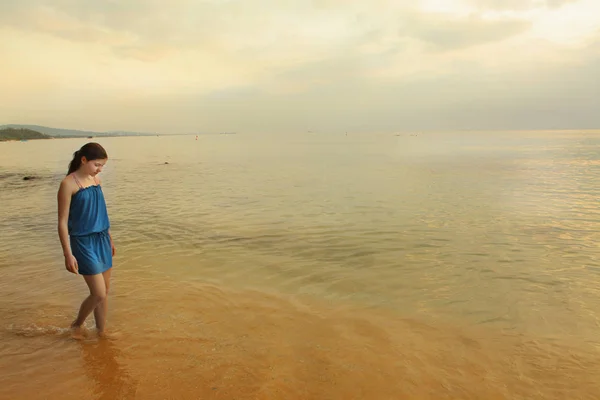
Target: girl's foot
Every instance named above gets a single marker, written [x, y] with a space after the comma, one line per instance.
[107, 336]
[77, 332]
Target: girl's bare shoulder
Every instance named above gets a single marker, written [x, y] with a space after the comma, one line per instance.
[68, 185]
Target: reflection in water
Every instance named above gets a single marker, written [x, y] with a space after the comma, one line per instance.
[101, 364]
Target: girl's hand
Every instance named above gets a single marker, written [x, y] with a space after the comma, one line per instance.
[112, 246]
[71, 264]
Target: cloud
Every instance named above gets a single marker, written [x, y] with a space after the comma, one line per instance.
[560, 96]
[146, 53]
[445, 32]
[145, 30]
[257, 64]
[518, 4]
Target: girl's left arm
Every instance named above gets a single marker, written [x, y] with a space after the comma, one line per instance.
[112, 244]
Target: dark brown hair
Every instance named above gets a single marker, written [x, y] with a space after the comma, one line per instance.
[91, 151]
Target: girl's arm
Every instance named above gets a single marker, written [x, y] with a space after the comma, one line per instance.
[112, 244]
[64, 201]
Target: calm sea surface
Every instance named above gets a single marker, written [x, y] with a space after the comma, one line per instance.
[435, 266]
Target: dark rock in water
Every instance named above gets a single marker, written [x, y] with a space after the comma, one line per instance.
[166, 162]
[28, 178]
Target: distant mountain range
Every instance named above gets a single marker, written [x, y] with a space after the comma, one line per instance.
[61, 133]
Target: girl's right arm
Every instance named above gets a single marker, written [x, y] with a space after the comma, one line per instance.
[64, 201]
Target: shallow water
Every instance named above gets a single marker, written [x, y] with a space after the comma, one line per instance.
[448, 265]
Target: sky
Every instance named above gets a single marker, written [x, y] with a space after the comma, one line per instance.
[193, 66]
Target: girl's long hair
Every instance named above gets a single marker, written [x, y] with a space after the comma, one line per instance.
[91, 151]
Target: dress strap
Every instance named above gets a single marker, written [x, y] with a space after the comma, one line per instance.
[77, 181]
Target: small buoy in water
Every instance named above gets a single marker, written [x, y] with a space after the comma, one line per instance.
[28, 178]
[166, 162]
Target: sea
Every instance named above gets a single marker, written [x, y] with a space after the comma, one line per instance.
[429, 265]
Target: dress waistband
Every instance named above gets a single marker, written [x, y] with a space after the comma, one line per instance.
[101, 233]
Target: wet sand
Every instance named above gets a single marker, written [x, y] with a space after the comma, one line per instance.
[189, 341]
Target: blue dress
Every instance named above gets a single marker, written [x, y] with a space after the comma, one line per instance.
[88, 230]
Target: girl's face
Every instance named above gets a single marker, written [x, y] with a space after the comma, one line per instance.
[93, 167]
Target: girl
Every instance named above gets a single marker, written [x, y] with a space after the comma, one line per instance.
[83, 229]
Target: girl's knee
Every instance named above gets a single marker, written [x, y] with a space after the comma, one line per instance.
[99, 297]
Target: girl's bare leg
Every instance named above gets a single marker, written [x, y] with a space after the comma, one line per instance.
[102, 308]
[97, 295]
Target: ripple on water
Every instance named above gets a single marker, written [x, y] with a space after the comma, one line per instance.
[374, 251]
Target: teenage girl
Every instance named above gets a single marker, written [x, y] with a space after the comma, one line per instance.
[83, 229]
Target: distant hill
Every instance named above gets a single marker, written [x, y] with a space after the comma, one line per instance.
[20, 134]
[63, 133]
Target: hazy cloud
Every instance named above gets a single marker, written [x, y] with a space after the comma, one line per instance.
[519, 4]
[447, 32]
[146, 29]
[334, 64]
